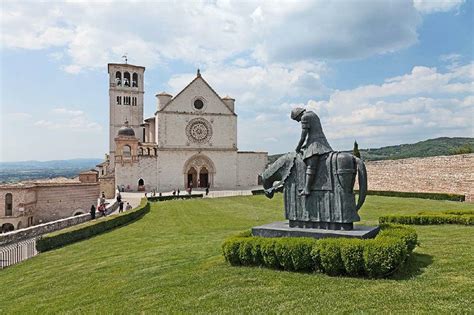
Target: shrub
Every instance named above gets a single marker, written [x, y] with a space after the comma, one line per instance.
[294, 253]
[171, 197]
[329, 251]
[258, 192]
[89, 229]
[269, 255]
[458, 212]
[352, 255]
[402, 194]
[428, 219]
[334, 256]
[383, 256]
[231, 248]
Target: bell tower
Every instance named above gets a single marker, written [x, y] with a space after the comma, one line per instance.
[126, 89]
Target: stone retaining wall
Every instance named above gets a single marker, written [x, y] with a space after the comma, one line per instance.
[40, 229]
[441, 174]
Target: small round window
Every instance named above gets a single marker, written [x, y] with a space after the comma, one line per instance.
[198, 104]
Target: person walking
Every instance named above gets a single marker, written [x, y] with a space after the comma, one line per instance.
[93, 212]
[120, 206]
[102, 199]
[207, 190]
[102, 209]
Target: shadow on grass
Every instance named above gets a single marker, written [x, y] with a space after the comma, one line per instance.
[413, 267]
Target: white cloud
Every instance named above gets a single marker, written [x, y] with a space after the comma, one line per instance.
[431, 6]
[336, 30]
[18, 116]
[68, 112]
[68, 119]
[209, 33]
[423, 103]
[419, 105]
[260, 86]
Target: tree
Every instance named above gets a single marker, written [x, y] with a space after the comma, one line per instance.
[355, 151]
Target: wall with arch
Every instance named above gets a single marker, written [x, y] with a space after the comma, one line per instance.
[58, 201]
[23, 204]
[129, 174]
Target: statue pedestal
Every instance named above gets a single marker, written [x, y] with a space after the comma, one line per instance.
[282, 229]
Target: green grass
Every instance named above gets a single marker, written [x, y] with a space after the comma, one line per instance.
[170, 262]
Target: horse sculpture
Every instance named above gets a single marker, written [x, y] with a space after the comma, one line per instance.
[331, 204]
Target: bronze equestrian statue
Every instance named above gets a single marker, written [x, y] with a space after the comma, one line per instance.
[317, 182]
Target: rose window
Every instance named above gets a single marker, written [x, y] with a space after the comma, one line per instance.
[199, 130]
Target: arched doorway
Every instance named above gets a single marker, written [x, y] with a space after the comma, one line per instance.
[203, 177]
[7, 227]
[141, 185]
[19, 226]
[78, 212]
[199, 170]
[191, 178]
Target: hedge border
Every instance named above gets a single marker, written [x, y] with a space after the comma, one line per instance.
[422, 195]
[401, 194]
[166, 198]
[457, 212]
[373, 258]
[429, 219]
[91, 228]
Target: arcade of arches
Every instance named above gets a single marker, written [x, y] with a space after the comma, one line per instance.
[199, 171]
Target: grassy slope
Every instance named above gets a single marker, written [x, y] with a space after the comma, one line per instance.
[170, 261]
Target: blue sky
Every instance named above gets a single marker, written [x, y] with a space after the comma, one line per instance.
[381, 72]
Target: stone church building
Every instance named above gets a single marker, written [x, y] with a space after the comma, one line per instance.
[190, 141]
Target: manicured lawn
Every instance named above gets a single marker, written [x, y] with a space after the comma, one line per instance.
[170, 262]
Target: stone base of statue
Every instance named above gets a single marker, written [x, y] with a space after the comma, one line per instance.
[283, 229]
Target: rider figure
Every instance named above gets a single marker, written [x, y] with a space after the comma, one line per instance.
[316, 143]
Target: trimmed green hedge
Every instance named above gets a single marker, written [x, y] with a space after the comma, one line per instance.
[166, 198]
[428, 219]
[89, 229]
[458, 212]
[373, 258]
[262, 191]
[403, 194]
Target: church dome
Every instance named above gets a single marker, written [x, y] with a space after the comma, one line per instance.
[126, 131]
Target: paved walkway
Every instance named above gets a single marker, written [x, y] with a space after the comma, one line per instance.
[133, 198]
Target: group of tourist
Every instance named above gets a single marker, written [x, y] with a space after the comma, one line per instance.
[121, 204]
[102, 208]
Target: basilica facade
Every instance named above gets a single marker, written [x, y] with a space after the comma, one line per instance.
[191, 141]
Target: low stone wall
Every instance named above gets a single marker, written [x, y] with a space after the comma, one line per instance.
[439, 174]
[40, 229]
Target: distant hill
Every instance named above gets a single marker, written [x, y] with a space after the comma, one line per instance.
[27, 170]
[431, 147]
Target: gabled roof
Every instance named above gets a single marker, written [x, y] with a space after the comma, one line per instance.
[187, 86]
